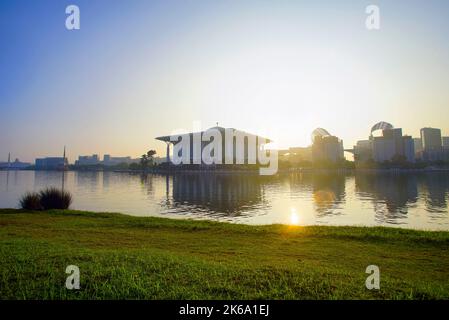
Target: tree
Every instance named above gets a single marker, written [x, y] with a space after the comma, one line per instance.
[147, 159]
[144, 161]
[150, 156]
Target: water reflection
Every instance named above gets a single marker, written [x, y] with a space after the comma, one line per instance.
[391, 194]
[328, 193]
[417, 200]
[89, 180]
[394, 195]
[435, 188]
[225, 195]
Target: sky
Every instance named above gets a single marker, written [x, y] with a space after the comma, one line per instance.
[136, 70]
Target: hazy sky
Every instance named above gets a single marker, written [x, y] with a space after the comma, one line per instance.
[139, 69]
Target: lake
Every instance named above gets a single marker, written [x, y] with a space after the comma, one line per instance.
[411, 200]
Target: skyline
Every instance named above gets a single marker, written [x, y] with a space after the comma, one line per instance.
[139, 70]
[163, 156]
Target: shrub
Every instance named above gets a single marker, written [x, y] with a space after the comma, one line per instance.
[31, 201]
[53, 198]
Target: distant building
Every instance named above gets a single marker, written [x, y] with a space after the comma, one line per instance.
[409, 148]
[432, 144]
[296, 154]
[384, 149]
[113, 161]
[392, 145]
[431, 139]
[326, 147]
[107, 160]
[418, 144]
[15, 165]
[51, 163]
[87, 160]
[363, 150]
[445, 142]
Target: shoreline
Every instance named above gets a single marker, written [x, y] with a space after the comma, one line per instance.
[251, 172]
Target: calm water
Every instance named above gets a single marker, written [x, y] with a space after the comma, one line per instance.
[413, 200]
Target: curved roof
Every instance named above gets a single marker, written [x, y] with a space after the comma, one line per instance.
[221, 129]
[381, 126]
[319, 132]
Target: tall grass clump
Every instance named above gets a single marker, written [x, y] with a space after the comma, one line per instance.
[53, 198]
[31, 201]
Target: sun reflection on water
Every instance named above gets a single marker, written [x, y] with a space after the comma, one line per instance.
[295, 218]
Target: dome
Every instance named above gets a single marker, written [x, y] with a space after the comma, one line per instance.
[319, 132]
[381, 126]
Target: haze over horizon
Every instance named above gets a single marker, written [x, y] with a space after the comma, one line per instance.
[138, 69]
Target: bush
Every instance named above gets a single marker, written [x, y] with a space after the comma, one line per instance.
[31, 201]
[52, 198]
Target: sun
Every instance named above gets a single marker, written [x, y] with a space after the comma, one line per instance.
[294, 217]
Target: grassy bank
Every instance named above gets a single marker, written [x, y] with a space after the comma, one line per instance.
[152, 258]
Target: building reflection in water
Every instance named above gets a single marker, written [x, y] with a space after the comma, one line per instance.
[391, 194]
[327, 190]
[328, 193]
[385, 198]
[435, 187]
[394, 194]
[215, 194]
[47, 179]
[88, 181]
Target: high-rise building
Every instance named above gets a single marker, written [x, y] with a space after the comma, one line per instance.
[363, 150]
[327, 148]
[432, 144]
[392, 144]
[418, 144]
[409, 148]
[445, 142]
[431, 139]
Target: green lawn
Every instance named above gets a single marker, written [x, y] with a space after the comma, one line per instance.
[152, 258]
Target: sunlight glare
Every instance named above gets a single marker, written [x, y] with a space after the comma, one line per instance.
[294, 217]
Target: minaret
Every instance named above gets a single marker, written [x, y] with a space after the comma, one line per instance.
[9, 160]
[63, 170]
[63, 160]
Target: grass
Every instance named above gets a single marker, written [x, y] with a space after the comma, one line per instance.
[123, 257]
